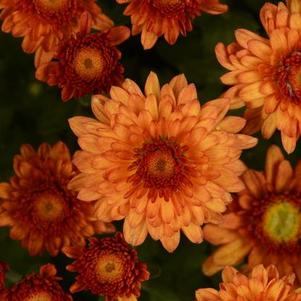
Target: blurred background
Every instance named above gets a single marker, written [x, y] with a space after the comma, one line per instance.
[31, 112]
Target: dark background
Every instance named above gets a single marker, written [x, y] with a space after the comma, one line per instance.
[31, 112]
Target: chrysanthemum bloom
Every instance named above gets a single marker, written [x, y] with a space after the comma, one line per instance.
[264, 222]
[44, 24]
[154, 18]
[265, 74]
[43, 286]
[107, 267]
[86, 64]
[41, 211]
[262, 285]
[159, 160]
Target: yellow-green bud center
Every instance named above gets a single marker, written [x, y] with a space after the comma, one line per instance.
[281, 222]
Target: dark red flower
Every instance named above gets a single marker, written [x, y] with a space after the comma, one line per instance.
[108, 267]
[86, 64]
[37, 287]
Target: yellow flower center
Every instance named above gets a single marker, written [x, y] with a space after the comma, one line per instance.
[40, 296]
[109, 268]
[48, 206]
[281, 222]
[51, 5]
[89, 63]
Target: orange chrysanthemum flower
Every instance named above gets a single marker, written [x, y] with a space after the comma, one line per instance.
[262, 285]
[86, 64]
[263, 222]
[37, 287]
[159, 160]
[41, 211]
[44, 24]
[265, 74]
[154, 18]
[108, 267]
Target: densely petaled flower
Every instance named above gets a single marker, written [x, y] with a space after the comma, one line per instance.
[108, 267]
[159, 160]
[37, 287]
[41, 211]
[264, 222]
[265, 74]
[44, 24]
[154, 18]
[86, 64]
[262, 285]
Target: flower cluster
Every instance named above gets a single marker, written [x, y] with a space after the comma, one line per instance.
[157, 159]
[67, 54]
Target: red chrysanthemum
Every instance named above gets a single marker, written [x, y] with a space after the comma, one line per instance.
[86, 64]
[107, 267]
[37, 287]
[154, 18]
[44, 24]
[41, 211]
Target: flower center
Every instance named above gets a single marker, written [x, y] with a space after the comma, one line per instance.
[48, 206]
[40, 296]
[51, 5]
[89, 63]
[160, 166]
[109, 268]
[281, 222]
[288, 77]
[169, 7]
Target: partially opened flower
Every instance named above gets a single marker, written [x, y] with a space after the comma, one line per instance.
[265, 74]
[159, 160]
[263, 284]
[42, 286]
[39, 208]
[263, 223]
[154, 18]
[44, 24]
[108, 267]
[86, 64]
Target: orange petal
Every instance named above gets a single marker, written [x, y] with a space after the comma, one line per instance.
[207, 294]
[218, 236]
